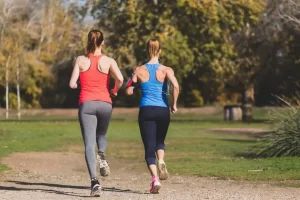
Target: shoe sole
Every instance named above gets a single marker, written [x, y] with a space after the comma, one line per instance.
[96, 191]
[163, 174]
[104, 171]
[156, 189]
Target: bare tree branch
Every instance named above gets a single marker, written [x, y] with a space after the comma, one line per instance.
[289, 11]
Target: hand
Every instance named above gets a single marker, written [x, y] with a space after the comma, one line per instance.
[174, 109]
[113, 93]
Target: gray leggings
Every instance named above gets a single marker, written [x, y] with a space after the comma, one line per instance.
[94, 117]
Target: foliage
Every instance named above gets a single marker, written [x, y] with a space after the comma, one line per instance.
[219, 33]
[285, 140]
[13, 101]
[199, 42]
[217, 48]
[39, 35]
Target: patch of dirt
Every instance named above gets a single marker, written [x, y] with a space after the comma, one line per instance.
[46, 163]
[63, 175]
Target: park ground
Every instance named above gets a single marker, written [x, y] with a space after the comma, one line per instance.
[41, 157]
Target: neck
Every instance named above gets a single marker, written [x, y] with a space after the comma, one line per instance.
[97, 52]
[154, 60]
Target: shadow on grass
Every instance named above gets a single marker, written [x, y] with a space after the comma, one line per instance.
[258, 135]
[239, 140]
[107, 189]
[252, 154]
[248, 155]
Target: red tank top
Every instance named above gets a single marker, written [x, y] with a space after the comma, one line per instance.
[93, 83]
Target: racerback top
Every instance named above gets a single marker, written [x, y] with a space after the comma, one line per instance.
[94, 84]
[154, 93]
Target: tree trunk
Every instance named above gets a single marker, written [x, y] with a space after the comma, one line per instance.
[7, 87]
[18, 89]
[39, 49]
[248, 100]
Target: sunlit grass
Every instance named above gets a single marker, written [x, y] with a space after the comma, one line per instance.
[192, 148]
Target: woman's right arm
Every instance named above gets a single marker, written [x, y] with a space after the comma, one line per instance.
[132, 82]
[174, 82]
[118, 77]
[75, 75]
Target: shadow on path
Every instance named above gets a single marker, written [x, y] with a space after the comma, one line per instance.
[108, 189]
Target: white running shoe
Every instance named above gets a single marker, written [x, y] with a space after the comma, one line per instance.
[162, 170]
[95, 188]
[104, 168]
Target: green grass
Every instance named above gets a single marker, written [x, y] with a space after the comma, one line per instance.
[36, 136]
[260, 114]
[192, 149]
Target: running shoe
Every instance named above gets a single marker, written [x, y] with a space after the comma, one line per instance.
[104, 168]
[162, 170]
[155, 185]
[95, 188]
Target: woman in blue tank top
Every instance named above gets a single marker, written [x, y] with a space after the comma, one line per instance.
[154, 114]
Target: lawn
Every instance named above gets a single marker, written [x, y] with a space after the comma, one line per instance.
[192, 148]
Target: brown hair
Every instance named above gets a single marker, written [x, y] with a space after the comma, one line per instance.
[153, 48]
[95, 39]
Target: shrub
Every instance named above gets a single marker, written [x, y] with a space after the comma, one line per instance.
[285, 123]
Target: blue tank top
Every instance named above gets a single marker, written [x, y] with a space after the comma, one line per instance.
[154, 93]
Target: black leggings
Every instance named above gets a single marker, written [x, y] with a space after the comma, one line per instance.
[154, 123]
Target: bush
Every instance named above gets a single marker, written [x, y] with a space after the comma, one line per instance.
[285, 138]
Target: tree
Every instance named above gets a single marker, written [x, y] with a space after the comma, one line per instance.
[38, 35]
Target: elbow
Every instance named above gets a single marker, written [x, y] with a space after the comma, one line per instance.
[176, 87]
[72, 86]
[121, 80]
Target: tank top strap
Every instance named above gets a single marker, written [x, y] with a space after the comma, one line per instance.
[94, 60]
[152, 68]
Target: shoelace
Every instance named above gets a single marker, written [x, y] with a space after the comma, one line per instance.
[104, 162]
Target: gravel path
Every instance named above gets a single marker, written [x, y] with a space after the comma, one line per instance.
[57, 175]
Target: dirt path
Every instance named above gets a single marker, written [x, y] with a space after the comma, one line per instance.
[57, 175]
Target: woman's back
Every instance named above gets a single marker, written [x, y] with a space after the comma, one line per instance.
[94, 78]
[153, 85]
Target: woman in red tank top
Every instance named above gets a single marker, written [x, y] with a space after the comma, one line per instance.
[93, 83]
[95, 104]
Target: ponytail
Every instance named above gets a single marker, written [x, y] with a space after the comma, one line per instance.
[95, 39]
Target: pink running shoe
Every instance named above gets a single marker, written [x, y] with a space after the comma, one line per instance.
[155, 185]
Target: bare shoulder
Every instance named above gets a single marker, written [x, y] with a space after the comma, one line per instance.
[167, 69]
[108, 59]
[139, 69]
[81, 58]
